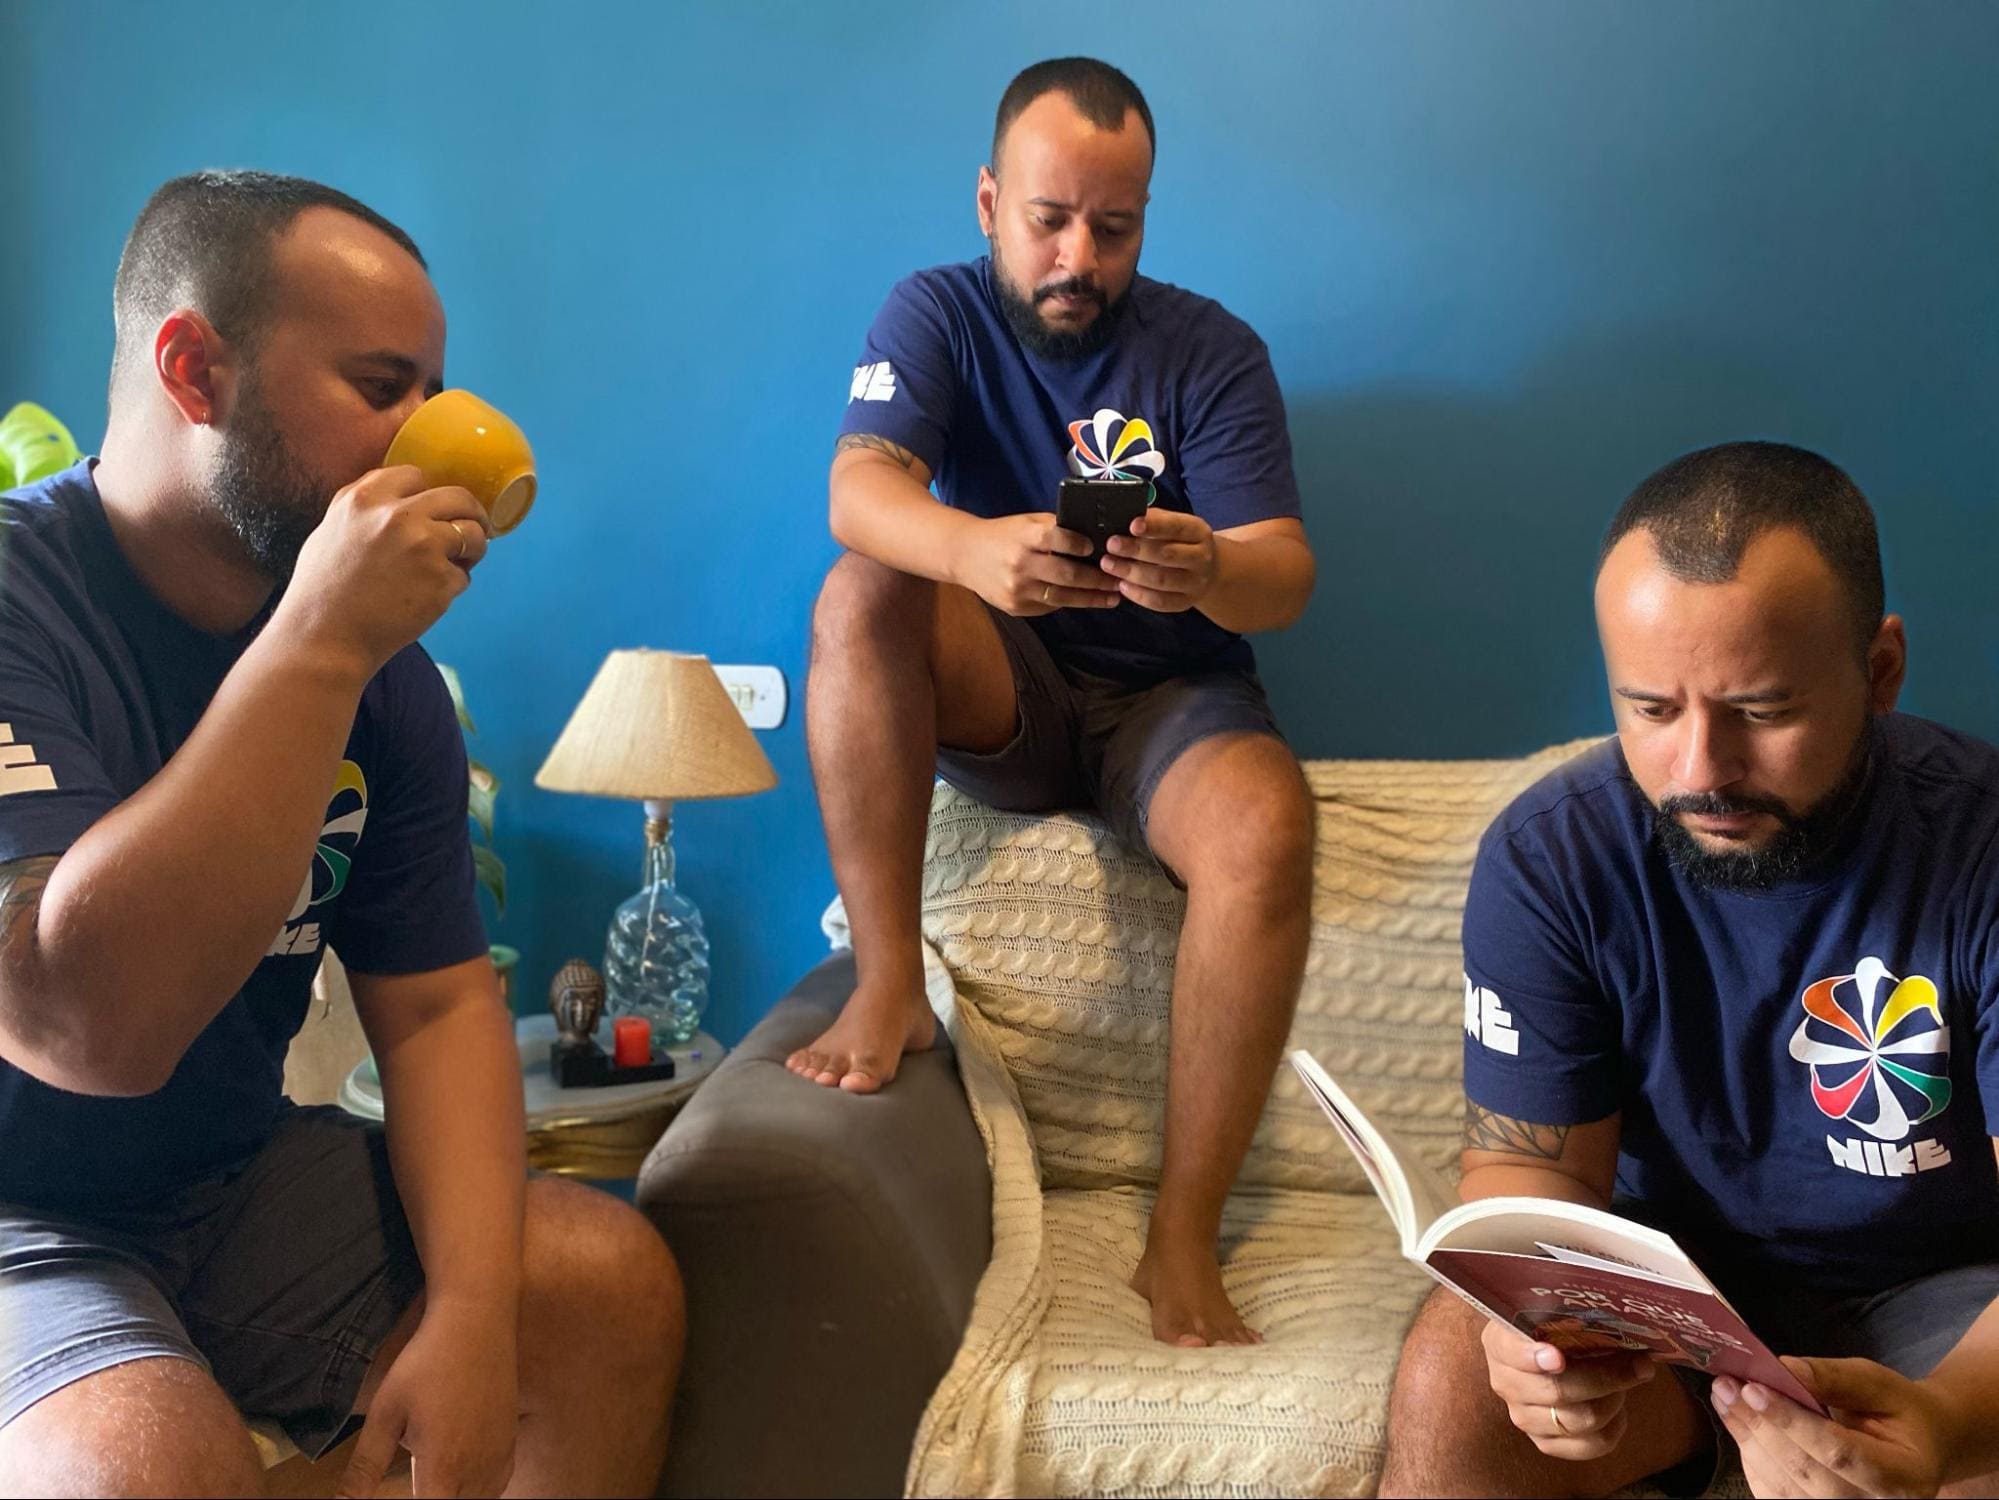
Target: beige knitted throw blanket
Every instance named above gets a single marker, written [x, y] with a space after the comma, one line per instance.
[1050, 963]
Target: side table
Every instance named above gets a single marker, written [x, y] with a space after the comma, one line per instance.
[595, 1133]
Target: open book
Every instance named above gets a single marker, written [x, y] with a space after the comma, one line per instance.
[1579, 1278]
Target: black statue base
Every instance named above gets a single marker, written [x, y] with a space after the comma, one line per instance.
[583, 1065]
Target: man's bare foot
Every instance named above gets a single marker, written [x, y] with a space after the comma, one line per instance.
[1184, 1285]
[861, 1051]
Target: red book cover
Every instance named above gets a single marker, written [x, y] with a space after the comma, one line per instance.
[1584, 1310]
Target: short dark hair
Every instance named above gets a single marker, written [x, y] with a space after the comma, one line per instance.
[204, 241]
[1099, 91]
[1704, 509]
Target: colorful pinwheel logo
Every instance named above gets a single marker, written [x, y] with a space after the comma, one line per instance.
[1878, 1050]
[346, 815]
[1112, 446]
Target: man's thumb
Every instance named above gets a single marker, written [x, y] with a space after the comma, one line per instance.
[1849, 1384]
[374, 1451]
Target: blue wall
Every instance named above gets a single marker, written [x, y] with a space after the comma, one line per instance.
[1508, 258]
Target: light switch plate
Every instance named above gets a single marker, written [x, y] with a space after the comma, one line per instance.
[758, 691]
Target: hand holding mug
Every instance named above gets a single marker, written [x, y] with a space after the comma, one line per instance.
[383, 565]
[457, 439]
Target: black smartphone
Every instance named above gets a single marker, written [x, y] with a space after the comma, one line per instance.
[1100, 508]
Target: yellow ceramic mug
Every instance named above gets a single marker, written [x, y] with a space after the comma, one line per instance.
[456, 438]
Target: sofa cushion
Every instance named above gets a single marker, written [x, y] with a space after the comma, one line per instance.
[1100, 1408]
[1063, 941]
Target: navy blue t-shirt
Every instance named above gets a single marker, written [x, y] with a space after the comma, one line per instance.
[99, 685]
[1182, 395]
[1809, 1075]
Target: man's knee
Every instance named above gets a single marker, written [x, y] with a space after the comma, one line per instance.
[862, 599]
[1442, 1370]
[596, 1266]
[1252, 821]
[157, 1426]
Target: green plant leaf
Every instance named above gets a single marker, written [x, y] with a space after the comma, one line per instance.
[485, 786]
[482, 790]
[457, 690]
[492, 873]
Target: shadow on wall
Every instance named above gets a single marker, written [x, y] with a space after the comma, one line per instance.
[1456, 533]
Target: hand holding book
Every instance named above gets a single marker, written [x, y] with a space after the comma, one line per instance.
[1572, 1407]
[1585, 1283]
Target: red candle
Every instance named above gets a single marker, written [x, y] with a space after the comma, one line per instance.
[631, 1041]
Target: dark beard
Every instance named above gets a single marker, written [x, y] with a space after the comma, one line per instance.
[1802, 841]
[266, 497]
[1036, 337]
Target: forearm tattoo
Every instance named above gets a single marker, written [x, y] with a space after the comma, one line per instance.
[1486, 1131]
[20, 895]
[879, 444]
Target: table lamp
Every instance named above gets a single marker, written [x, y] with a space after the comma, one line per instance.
[657, 727]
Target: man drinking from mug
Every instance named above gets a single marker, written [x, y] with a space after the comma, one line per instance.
[224, 753]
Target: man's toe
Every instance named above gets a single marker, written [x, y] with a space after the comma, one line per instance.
[862, 1079]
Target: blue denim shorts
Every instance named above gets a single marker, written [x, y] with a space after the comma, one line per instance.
[282, 1279]
[1909, 1328]
[1090, 742]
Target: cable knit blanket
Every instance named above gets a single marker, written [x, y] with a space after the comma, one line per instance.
[1051, 963]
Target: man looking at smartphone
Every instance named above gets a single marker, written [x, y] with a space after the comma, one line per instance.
[978, 639]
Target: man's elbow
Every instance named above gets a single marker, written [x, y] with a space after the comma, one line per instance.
[125, 1077]
[1288, 605]
[83, 1066]
[1293, 608]
[81, 1058]
[1306, 584]
[842, 534]
[840, 513]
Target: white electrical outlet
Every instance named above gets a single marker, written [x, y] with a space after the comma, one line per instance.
[758, 691]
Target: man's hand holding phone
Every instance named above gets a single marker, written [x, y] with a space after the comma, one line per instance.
[1027, 565]
[1167, 563]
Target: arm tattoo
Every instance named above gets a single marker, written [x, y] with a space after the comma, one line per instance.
[1486, 1131]
[879, 444]
[21, 884]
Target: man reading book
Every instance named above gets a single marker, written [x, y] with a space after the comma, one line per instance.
[1737, 971]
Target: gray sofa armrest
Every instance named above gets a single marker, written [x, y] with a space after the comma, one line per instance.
[830, 1244]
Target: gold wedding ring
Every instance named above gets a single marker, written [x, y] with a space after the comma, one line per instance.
[458, 549]
[1555, 1416]
[1044, 593]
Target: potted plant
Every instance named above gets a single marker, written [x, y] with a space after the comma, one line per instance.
[491, 870]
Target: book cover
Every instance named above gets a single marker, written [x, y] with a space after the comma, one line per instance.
[1583, 1279]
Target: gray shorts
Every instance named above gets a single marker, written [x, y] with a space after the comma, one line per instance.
[1909, 1328]
[1086, 741]
[282, 1280]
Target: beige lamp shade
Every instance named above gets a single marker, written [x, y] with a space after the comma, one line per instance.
[656, 726]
